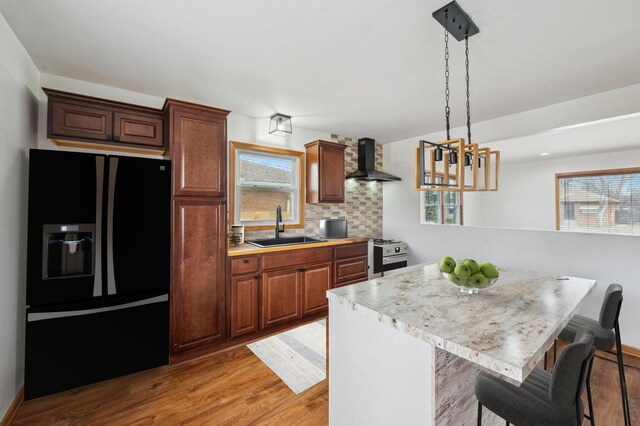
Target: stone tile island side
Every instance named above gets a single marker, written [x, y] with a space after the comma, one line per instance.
[405, 348]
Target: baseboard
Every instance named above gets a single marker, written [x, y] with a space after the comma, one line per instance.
[11, 413]
[629, 351]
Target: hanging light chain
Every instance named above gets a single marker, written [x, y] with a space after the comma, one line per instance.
[466, 62]
[447, 110]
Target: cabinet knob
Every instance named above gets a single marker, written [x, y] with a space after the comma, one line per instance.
[301, 270]
[245, 260]
[116, 138]
[257, 277]
[222, 194]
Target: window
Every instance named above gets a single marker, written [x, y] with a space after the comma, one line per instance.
[603, 201]
[442, 207]
[262, 178]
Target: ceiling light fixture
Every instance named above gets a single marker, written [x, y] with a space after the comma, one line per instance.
[280, 125]
[432, 173]
[544, 154]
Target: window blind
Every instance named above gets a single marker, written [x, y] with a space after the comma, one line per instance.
[600, 202]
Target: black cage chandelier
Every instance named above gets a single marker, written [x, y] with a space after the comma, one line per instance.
[435, 170]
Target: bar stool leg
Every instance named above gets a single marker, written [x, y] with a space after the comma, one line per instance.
[555, 351]
[479, 414]
[623, 382]
[591, 417]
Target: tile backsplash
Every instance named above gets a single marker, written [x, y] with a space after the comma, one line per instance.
[362, 207]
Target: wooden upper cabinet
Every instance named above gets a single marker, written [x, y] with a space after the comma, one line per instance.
[198, 285]
[325, 172]
[80, 121]
[316, 280]
[280, 296]
[85, 121]
[198, 137]
[138, 129]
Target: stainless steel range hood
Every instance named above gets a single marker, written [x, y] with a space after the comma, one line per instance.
[367, 163]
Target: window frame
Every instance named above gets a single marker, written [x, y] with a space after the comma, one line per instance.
[443, 206]
[589, 173]
[233, 184]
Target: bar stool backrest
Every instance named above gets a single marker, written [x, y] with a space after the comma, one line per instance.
[571, 368]
[610, 309]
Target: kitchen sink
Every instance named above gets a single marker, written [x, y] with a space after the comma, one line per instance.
[285, 241]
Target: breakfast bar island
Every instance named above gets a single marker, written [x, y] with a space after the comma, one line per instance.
[405, 349]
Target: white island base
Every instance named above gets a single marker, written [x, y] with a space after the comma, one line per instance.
[381, 376]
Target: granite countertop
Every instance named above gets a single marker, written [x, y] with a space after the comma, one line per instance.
[246, 249]
[506, 329]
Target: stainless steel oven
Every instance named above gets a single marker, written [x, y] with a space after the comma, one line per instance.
[389, 255]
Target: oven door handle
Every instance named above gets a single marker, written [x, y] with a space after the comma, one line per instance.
[389, 260]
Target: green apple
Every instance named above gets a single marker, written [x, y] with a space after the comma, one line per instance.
[488, 270]
[473, 265]
[450, 258]
[462, 270]
[457, 280]
[446, 265]
[478, 280]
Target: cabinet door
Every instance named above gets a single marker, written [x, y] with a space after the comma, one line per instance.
[316, 280]
[199, 153]
[280, 296]
[75, 120]
[138, 129]
[331, 174]
[244, 304]
[198, 285]
[351, 269]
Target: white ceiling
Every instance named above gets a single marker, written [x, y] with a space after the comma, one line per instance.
[610, 135]
[357, 68]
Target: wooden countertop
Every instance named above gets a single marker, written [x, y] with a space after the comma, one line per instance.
[246, 248]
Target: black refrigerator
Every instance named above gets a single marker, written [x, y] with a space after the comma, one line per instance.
[98, 267]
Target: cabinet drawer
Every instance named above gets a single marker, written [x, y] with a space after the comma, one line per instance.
[352, 250]
[245, 265]
[351, 269]
[296, 257]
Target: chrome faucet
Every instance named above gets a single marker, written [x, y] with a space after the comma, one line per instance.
[279, 221]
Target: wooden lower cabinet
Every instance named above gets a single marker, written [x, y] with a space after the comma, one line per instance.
[244, 304]
[198, 285]
[316, 280]
[280, 296]
[347, 270]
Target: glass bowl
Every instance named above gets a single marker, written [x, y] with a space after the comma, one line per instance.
[465, 285]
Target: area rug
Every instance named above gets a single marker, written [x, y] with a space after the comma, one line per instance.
[297, 356]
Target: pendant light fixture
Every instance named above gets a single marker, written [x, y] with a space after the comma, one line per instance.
[429, 175]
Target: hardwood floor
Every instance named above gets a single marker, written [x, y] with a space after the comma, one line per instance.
[236, 388]
[605, 388]
[230, 388]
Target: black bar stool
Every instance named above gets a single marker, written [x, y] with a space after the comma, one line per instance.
[544, 398]
[606, 333]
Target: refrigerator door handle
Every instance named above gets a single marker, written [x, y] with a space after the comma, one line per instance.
[111, 276]
[97, 260]
[40, 316]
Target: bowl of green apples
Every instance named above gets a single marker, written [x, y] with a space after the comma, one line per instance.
[468, 275]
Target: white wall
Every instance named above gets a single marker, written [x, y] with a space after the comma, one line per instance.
[606, 258]
[18, 132]
[526, 199]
